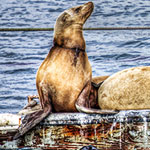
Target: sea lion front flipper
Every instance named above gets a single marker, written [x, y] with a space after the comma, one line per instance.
[33, 119]
[83, 103]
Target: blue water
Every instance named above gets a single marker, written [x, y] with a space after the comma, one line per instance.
[21, 53]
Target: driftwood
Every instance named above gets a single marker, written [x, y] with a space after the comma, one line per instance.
[127, 130]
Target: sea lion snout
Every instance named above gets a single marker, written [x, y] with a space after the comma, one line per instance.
[85, 8]
[88, 7]
[80, 14]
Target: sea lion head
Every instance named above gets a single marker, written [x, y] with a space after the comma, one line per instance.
[68, 27]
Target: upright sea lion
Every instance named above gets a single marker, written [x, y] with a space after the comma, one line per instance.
[65, 71]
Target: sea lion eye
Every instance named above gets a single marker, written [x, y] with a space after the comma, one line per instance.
[77, 9]
[64, 17]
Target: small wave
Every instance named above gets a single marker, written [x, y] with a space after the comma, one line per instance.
[18, 71]
[16, 63]
[126, 56]
[129, 43]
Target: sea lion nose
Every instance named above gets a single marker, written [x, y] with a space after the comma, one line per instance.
[90, 4]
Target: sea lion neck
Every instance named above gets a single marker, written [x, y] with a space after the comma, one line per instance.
[71, 37]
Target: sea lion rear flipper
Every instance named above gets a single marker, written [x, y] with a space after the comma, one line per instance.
[33, 119]
[30, 121]
[83, 104]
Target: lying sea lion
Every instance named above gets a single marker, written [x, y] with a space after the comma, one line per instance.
[65, 71]
[126, 89]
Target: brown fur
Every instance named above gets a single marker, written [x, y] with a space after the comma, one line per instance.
[65, 71]
[68, 27]
[61, 79]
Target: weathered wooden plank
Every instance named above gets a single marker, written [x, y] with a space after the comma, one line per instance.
[127, 130]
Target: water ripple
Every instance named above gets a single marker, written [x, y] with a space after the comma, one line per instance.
[31, 13]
